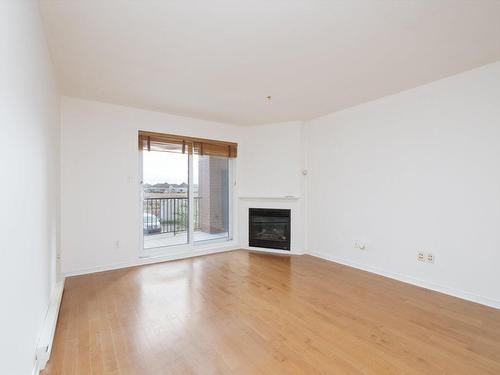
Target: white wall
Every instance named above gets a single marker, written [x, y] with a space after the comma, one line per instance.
[270, 164]
[419, 170]
[100, 179]
[29, 165]
[270, 160]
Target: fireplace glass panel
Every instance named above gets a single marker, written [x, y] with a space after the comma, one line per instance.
[269, 228]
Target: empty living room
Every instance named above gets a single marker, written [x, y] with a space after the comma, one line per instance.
[250, 187]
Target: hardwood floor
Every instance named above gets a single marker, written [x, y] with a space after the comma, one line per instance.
[254, 313]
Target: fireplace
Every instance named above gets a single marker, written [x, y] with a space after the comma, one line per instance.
[269, 228]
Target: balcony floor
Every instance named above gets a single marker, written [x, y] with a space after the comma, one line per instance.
[152, 241]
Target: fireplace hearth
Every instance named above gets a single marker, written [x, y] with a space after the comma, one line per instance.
[269, 228]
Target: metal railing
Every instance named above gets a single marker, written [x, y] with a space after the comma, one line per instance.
[169, 215]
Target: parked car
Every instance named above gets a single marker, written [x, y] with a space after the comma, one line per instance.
[151, 224]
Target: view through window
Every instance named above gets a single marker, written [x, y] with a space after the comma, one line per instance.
[169, 196]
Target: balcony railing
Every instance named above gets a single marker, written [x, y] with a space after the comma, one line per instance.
[169, 215]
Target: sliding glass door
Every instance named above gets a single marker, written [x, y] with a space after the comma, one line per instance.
[186, 194]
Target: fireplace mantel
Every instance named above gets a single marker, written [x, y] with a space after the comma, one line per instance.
[267, 198]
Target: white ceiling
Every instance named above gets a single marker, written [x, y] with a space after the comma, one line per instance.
[219, 59]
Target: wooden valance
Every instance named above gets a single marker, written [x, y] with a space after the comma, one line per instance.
[151, 141]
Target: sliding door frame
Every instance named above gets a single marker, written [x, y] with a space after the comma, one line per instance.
[191, 245]
[190, 232]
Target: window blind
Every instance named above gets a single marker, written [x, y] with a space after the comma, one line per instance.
[150, 141]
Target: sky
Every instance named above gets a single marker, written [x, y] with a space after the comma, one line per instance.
[166, 167]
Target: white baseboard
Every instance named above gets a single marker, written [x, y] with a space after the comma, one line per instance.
[36, 369]
[414, 281]
[151, 260]
[44, 346]
[176, 256]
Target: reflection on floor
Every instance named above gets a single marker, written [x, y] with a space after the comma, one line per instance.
[152, 241]
[251, 313]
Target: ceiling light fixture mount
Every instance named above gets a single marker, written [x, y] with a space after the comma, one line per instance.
[268, 98]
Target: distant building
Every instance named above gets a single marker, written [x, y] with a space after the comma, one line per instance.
[163, 188]
[176, 189]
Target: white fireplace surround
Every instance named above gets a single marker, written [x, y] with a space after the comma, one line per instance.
[293, 203]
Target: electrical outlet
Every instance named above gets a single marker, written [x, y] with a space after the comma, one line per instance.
[421, 256]
[359, 245]
[430, 258]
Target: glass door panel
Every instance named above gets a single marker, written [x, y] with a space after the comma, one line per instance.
[210, 197]
[165, 198]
